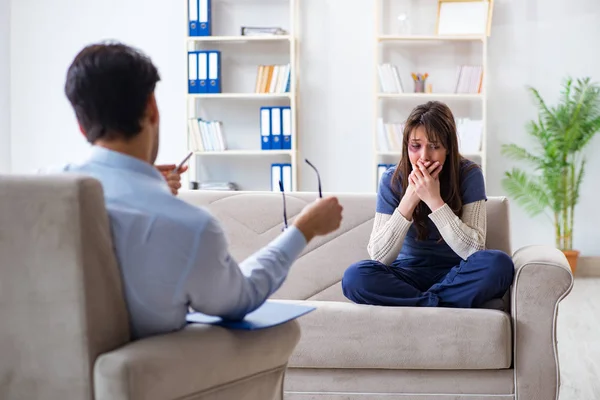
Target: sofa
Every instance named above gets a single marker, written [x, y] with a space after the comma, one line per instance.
[64, 331]
[349, 351]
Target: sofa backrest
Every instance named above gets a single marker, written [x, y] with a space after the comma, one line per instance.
[61, 303]
[252, 220]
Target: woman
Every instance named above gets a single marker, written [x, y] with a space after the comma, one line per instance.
[428, 238]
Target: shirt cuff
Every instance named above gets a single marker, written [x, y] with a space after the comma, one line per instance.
[292, 242]
[442, 216]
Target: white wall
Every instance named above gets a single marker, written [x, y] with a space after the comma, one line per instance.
[535, 42]
[4, 86]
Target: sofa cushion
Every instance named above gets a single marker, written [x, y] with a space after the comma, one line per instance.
[344, 335]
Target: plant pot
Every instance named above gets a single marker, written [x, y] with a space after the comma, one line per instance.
[572, 256]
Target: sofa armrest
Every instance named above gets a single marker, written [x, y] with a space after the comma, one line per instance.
[193, 361]
[542, 279]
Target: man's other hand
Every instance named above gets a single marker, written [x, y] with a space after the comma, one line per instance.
[319, 218]
[173, 178]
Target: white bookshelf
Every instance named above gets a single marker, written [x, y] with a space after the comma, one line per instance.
[238, 105]
[418, 49]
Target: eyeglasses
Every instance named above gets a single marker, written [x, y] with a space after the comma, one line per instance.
[285, 222]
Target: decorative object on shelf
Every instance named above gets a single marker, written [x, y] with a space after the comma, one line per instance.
[429, 88]
[562, 132]
[262, 31]
[464, 17]
[199, 15]
[419, 82]
[403, 24]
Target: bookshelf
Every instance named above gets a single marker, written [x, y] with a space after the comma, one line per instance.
[236, 106]
[406, 40]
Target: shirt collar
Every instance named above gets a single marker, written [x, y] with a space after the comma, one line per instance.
[119, 160]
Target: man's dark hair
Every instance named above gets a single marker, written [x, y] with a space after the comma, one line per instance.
[109, 85]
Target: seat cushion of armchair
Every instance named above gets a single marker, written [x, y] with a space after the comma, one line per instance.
[194, 362]
[345, 335]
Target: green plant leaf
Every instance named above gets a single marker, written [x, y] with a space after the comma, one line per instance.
[528, 191]
[518, 153]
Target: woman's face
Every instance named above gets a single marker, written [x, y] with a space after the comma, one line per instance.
[419, 148]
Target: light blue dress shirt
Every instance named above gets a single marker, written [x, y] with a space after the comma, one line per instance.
[173, 255]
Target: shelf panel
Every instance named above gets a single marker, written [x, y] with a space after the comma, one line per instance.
[430, 95]
[430, 38]
[240, 95]
[239, 39]
[245, 153]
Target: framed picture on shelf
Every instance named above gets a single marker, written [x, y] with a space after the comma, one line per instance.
[464, 17]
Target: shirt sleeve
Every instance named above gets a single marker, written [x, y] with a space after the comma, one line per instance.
[217, 285]
[390, 226]
[387, 199]
[472, 185]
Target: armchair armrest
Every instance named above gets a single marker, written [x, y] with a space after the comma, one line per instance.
[198, 360]
[542, 279]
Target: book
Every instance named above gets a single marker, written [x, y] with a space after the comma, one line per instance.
[271, 313]
[273, 79]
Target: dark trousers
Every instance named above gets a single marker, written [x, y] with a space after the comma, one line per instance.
[484, 276]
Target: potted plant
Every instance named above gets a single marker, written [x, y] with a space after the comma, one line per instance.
[551, 186]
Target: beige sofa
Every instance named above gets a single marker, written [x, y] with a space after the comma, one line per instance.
[64, 331]
[350, 351]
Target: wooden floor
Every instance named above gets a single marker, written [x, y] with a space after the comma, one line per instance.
[578, 335]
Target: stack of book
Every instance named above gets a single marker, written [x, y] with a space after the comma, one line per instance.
[469, 135]
[389, 136]
[206, 135]
[223, 186]
[468, 79]
[273, 79]
[262, 31]
[389, 79]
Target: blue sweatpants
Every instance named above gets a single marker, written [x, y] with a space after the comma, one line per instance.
[484, 276]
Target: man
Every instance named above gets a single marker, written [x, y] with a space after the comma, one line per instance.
[172, 254]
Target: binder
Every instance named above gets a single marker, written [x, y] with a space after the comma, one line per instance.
[271, 313]
[286, 128]
[194, 25]
[193, 81]
[286, 174]
[265, 128]
[202, 71]
[204, 17]
[214, 71]
[276, 137]
[276, 177]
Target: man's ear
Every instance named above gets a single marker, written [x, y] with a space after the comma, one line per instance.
[152, 109]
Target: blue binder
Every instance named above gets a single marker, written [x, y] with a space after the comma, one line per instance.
[202, 71]
[204, 18]
[214, 71]
[276, 129]
[193, 79]
[265, 128]
[193, 16]
[286, 128]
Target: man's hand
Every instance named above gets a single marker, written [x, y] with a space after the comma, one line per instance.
[319, 218]
[427, 185]
[173, 178]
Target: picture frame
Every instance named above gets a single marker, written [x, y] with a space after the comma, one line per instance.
[464, 17]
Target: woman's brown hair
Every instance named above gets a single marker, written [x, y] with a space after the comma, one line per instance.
[440, 127]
